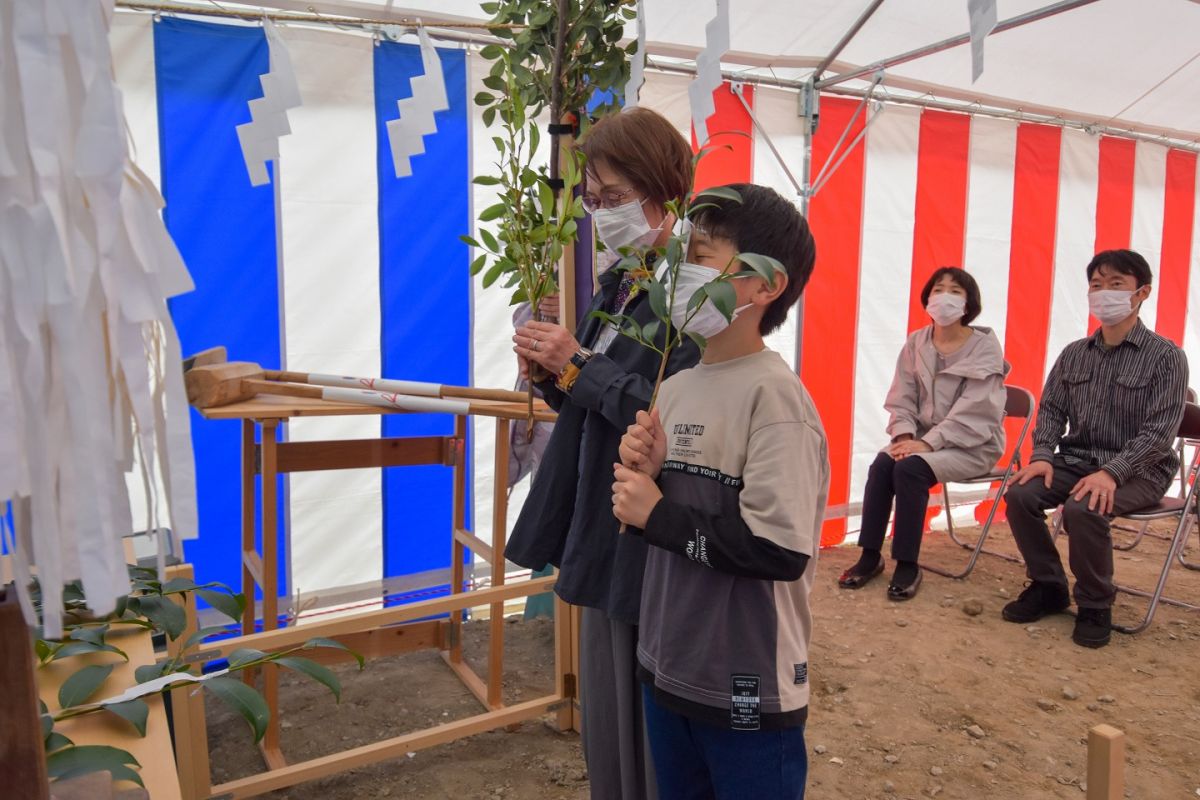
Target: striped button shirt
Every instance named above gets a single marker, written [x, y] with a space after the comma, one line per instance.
[1119, 407]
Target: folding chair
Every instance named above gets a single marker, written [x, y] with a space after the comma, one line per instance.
[1018, 404]
[1184, 509]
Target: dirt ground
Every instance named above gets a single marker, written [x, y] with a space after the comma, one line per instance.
[910, 700]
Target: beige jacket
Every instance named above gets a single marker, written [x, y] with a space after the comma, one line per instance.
[959, 412]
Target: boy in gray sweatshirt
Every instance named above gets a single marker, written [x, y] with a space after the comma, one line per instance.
[727, 481]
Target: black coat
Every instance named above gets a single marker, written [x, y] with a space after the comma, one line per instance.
[567, 519]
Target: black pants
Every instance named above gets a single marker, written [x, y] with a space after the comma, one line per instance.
[1089, 534]
[908, 481]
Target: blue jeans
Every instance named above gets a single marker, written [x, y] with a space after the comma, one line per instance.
[696, 761]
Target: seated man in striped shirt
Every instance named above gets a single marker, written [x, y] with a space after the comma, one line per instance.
[1102, 447]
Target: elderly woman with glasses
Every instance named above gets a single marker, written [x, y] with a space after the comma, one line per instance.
[597, 381]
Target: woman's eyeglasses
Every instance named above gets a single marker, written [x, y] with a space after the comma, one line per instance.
[593, 202]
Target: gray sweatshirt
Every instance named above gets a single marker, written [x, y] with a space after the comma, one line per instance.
[725, 594]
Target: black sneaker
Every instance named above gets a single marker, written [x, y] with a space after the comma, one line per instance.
[1038, 600]
[1093, 627]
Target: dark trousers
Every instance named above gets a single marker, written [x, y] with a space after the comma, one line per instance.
[698, 761]
[1089, 535]
[908, 482]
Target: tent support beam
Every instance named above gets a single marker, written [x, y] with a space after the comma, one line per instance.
[738, 90]
[954, 41]
[845, 40]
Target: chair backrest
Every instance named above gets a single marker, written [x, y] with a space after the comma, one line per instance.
[1018, 403]
[1189, 426]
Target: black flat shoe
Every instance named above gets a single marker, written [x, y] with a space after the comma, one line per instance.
[856, 580]
[896, 592]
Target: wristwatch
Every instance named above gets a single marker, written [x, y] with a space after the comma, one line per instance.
[570, 371]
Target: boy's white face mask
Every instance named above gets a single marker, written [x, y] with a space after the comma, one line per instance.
[707, 320]
[946, 308]
[623, 226]
[1110, 306]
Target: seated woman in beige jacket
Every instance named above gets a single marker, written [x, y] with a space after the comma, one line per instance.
[947, 412]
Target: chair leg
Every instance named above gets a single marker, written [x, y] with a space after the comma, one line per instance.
[978, 548]
[950, 519]
[1176, 547]
[1136, 539]
[1188, 564]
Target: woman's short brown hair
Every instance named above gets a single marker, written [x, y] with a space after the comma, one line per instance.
[645, 149]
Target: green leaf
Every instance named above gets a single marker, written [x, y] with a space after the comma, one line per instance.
[165, 613]
[700, 341]
[489, 116]
[493, 273]
[546, 200]
[485, 180]
[723, 192]
[47, 721]
[320, 641]
[493, 212]
[518, 297]
[56, 741]
[135, 712]
[316, 671]
[81, 759]
[93, 635]
[244, 700]
[176, 585]
[658, 299]
[83, 684]
[148, 672]
[229, 604]
[43, 649]
[478, 263]
[484, 99]
[765, 266]
[492, 51]
[650, 330]
[245, 655]
[77, 648]
[490, 241]
[723, 296]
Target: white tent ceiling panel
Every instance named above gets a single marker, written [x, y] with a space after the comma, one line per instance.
[1114, 60]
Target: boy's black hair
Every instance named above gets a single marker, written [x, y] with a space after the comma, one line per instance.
[1126, 262]
[963, 279]
[770, 225]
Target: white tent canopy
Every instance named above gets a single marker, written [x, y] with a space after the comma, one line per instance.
[1125, 64]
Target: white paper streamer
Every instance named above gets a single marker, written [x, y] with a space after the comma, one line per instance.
[259, 138]
[158, 684]
[85, 267]
[982, 15]
[406, 135]
[708, 71]
[637, 64]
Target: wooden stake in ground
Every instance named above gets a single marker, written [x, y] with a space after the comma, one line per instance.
[1106, 763]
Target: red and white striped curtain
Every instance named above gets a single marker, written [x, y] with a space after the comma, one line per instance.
[1021, 206]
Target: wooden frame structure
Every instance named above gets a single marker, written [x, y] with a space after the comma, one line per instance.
[374, 633]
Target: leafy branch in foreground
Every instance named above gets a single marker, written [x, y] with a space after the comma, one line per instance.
[157, 607]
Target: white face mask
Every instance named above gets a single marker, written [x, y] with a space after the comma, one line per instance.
[624, 226]
[1110, 306]
[707, 321]
[946, 308]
